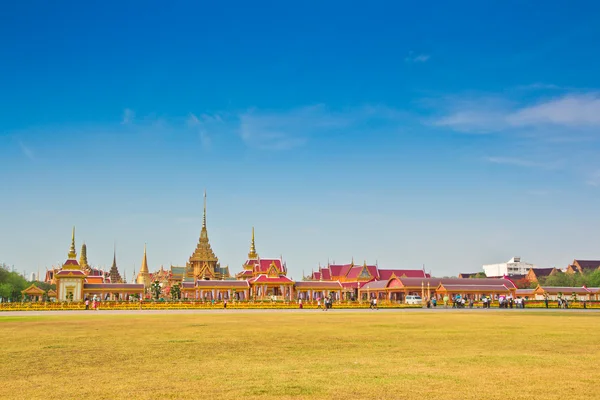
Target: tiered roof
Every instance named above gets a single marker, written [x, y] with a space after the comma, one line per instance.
[348, 273]
[115, 276]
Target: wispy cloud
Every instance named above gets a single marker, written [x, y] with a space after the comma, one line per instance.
[523, 162]
[417, 57]
[204, 124]
[27, 151]
[285, 130]
[570, 110]
[576, 111]
[128, 116]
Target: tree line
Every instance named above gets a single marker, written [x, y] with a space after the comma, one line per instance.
[12, 283]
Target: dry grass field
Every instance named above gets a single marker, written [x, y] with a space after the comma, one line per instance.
[302, 355]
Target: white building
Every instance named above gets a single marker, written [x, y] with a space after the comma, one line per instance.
[514, 266]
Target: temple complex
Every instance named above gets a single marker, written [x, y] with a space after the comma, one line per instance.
[74, 283]
[352, 277]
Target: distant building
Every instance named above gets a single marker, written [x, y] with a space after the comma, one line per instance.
[535, 273]
[581, 266]
[514, 266]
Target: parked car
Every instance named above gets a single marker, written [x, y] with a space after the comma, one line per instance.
[413, 300]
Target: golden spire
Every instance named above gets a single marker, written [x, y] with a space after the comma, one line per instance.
[252, 254]
[144, 268]
[204, 218]
[83, 261]
[72, 252]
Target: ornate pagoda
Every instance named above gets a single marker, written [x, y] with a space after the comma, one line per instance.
[70, 278]
[115, 276]
[143, 276]
[203, 263]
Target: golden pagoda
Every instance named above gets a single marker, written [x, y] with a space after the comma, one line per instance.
[83, 261]
[203, 263]
[143, 276]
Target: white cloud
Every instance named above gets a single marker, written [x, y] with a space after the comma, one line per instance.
[417, 58]
[570, 110]
[578, 111]
[523, 162]
[128, 116]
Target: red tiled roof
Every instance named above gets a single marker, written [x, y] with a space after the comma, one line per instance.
[71, 262]
[326, 274]
[339, 270]
[267, 279]
[434, 282]
[94, 279]
[264, 265]
[316, 275]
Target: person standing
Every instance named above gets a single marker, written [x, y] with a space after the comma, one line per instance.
[318, 302]
[546, 301]
[87, 303]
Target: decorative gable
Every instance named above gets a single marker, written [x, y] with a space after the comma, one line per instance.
[273, 271]
[364, 274]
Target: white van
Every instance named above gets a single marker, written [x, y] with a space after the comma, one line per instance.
[413, 299]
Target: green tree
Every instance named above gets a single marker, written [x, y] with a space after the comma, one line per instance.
[11, 284]
[175, 292]
[155, 288]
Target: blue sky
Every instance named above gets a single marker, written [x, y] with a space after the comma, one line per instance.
[449, 134]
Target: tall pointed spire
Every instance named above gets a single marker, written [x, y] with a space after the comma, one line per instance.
[252, 255]
[204, 217]
[203, 255]
[115, 277]
[83, 261]
[144, 267]
[72, 252]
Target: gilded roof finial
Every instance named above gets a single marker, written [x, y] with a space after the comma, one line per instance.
[72, 252]
[252, 254]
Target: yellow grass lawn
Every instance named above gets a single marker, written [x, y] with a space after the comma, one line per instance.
[305, 355]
